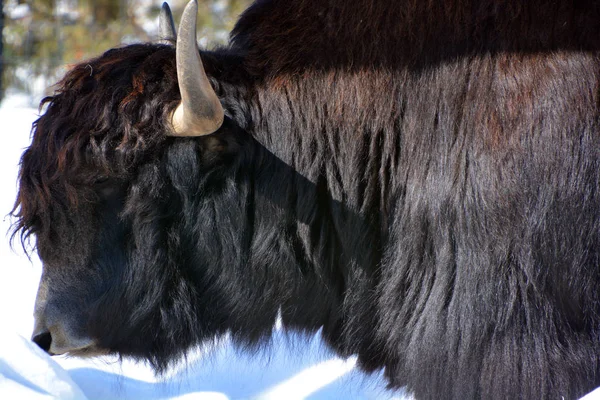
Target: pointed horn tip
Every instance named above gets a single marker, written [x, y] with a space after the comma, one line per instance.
[188, 23]
[167, 34]
[190, 5]
[165, 9]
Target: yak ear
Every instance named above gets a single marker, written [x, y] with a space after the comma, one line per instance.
[166, 26]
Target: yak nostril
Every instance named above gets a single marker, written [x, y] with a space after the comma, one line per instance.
[44, 340]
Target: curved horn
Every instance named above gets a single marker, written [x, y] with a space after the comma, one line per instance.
[166, 26]
[200, 111]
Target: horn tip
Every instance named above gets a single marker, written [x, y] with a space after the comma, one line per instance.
[192, 3]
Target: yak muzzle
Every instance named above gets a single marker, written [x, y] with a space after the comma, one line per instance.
[58, 339]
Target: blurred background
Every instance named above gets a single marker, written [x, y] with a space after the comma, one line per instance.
[41, 38]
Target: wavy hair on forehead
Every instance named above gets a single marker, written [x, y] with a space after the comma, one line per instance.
[105, 117]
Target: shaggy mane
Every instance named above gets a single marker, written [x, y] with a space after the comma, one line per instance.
[119, 101]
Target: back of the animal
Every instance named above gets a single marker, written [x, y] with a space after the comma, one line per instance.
[485, 116]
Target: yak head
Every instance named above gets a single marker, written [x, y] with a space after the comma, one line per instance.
[117, 160]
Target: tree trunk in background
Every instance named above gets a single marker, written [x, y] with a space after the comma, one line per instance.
[1, 50]
[105, 11]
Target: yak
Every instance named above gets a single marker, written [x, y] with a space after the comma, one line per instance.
[418, 180]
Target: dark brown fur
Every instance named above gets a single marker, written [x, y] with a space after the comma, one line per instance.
[418, 178]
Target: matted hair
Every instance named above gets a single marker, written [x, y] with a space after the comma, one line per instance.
[105, 114]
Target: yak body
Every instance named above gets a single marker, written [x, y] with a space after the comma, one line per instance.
[420, 179]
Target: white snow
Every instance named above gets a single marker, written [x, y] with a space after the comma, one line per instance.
[294, 367]
[32, 375]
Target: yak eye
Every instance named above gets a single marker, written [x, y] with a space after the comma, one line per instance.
[104, 186]
[101, 180]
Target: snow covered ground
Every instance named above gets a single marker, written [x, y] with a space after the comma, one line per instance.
[292, 368]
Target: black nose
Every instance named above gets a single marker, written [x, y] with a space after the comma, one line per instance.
[44, 340]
